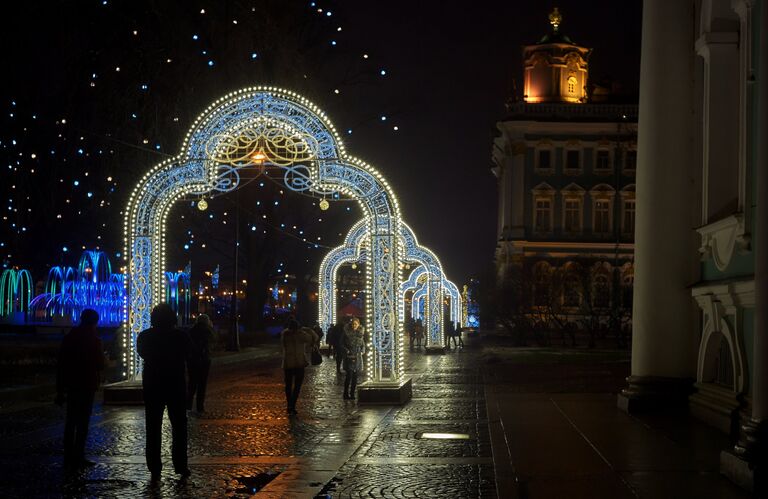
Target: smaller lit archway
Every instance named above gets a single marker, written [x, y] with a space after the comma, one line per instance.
[416, 282]
[354, 249]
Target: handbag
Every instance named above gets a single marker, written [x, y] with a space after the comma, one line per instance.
[315, 358]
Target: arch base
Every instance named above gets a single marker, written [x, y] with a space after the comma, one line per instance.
[385, 394]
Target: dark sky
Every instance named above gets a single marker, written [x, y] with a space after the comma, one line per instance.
[449, 69]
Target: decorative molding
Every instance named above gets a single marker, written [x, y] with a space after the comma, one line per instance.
[721, 239]
[723, 305]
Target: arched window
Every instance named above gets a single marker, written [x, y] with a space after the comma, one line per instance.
[571, 290]
[601, 291]
[627, 283]
[571, 85]
[541, 284]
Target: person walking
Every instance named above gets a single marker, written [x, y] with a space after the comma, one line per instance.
[457, 334]
[419, 333]
[165, 350]
[335, 334]
[318, 332]
[200, 336]
[295, 341]
[80, 363]
[353, 346]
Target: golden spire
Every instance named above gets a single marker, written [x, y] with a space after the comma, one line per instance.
[555, 19]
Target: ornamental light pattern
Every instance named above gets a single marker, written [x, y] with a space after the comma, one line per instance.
[251, 128]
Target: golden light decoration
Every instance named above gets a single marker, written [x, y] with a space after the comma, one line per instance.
[324, 204]
[202, 205]
[262, 141]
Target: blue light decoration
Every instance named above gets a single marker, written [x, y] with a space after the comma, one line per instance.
[178, 294]
[249, 129]
[15, 293]
[215, 278]
[354, 250]
[471, 306]
[68, 291]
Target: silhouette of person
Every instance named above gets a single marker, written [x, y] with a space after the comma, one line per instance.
[165, 351]
[335, 333]
[200, 335]
[353, 346]
[81, 360]
[295, 341]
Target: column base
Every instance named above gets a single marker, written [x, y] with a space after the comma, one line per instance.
[654, 393]
[434, 351]
[717, 406]
[737, 470]
[129, 392]
[747, 463]
[385, 393]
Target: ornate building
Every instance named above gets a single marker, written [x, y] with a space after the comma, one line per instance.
[700, 336]
[566, 169]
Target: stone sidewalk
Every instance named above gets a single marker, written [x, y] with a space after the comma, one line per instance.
[245, 444]
[535, 423]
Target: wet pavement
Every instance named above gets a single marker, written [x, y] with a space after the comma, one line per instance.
[525, 423]
[245, 444]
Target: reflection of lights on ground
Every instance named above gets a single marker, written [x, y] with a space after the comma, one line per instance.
[445, 436]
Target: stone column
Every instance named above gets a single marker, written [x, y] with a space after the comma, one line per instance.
[664, 343]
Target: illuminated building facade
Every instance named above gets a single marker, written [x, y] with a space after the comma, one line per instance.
[566, 167]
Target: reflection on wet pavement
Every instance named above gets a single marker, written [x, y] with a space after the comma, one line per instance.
[245, 444]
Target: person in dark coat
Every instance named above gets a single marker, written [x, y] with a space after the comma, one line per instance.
[335, 332]
[295, 341]
[165, 351]
[81, 361]
[200, 335]
[353, 346]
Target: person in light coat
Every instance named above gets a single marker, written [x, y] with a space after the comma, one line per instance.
[296, 342]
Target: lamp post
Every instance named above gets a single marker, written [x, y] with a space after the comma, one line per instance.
[234, 336]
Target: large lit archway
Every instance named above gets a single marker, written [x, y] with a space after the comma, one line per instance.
[248, 129]
[354, 249]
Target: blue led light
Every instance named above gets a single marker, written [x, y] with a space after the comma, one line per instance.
[195, 37]
[76, 183]
[210, 63]
[254, 55]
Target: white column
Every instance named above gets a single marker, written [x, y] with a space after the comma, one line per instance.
[664, 344]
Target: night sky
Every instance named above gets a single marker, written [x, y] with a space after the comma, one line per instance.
[448, 69]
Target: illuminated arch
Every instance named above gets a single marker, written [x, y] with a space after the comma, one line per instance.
[449, 289]
[354, 249]
[246, 129]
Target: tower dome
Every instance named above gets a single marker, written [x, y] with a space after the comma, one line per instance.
[555, 68]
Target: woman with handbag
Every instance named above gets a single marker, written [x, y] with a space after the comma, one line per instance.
[353, 346]
[295, 341]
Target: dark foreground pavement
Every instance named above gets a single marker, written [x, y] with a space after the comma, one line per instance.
[546, 418]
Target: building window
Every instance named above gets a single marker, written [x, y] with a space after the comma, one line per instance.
[571, 291]
[542, 221]
[571, 85]
[572, 160]
[602, 160]
[630, 161]
[601, 291]
[572, 215]
[627, 283]
[541, 285]
[628, 221]
[544, 159]
[602, 216]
